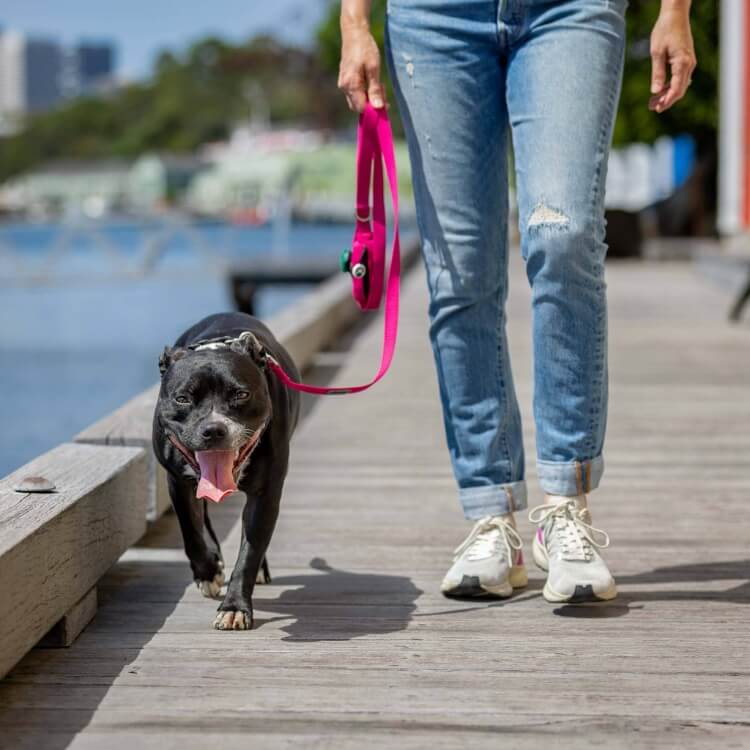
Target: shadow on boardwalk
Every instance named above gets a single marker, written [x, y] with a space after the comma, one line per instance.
[730, 570]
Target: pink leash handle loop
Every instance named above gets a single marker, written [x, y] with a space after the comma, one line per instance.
[374, 148]
[367, 259]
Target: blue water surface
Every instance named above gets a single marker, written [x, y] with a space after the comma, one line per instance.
[80, 333]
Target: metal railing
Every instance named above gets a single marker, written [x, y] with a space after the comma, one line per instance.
[56, 260]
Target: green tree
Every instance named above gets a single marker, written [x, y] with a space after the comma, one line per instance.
[698, 112]
[192, 98]
[197, 96]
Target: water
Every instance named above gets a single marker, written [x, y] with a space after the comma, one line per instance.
[75, 349]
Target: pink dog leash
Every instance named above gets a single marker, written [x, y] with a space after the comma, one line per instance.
[366, 263]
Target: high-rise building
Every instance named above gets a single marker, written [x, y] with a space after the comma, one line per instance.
[43, 68]
[36, 74]
[29, 74]
[95, 63]
[87, 68]
[12, 74]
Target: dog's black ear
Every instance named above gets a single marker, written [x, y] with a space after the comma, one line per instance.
[170, 355]
[248, 343]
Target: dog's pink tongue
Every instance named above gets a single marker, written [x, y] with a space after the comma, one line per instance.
[217, 480]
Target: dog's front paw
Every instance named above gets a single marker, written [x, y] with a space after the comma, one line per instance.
[233, 619]
[212, 589]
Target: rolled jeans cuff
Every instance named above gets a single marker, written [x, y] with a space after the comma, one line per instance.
[493, 500]
[571, 477]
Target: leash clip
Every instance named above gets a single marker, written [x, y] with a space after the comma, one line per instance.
[269, 358]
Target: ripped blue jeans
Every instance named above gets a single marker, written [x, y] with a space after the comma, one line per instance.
[467, 75]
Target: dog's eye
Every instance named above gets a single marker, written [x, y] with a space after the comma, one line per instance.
[241, 395]
[182, 399]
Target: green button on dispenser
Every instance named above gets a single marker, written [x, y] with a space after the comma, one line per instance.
[345, 261]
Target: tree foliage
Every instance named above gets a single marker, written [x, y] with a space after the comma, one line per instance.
[191, 99]
[197, 96]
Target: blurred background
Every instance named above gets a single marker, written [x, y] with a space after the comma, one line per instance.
[155, 159]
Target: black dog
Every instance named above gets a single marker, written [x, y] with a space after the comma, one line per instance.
[219, 406]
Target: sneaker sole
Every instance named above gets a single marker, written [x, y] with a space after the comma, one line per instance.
[470, 585]
[581, 594]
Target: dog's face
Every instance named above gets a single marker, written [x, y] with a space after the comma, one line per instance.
[213, 406]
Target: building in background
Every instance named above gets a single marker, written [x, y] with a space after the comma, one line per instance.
[12, 78]
[42, 66]
[71, 187]
[95, 62]
[88, 68]
[158, 181]
[37, 73]
[30, 75]
[93, 189]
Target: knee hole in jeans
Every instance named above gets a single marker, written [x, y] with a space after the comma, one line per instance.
[544, 215]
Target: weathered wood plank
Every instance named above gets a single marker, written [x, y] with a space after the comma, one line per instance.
[55, 547]
[131, 425]
[72, 623]
[347, 731]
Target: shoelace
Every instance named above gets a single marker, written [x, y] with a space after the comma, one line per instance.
[576, 535]
[484, 539]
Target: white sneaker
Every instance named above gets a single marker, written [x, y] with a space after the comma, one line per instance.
[565, 545]
[489, 561]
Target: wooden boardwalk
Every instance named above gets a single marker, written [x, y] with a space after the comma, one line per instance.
[355, 647]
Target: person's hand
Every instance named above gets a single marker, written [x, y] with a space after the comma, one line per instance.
[359, 71]
[671, 47]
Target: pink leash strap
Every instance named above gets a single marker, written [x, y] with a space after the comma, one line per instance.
[374, 147]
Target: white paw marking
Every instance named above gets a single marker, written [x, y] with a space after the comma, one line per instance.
[232, 620]
[212, 589]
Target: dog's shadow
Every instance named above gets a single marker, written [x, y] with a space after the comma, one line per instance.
[329, 604]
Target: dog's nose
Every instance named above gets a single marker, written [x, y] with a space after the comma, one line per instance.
[214, 431]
